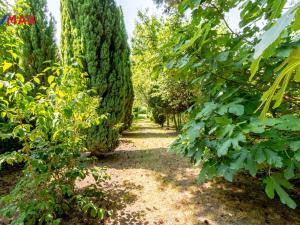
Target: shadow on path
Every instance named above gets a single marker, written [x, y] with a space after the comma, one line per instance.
[167, 166]
[148, 135]
[158, 187]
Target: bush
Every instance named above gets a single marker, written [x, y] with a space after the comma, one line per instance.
[52, 146]
[158, 117]
[139, 110]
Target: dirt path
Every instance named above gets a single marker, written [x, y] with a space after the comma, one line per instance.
[151, 186]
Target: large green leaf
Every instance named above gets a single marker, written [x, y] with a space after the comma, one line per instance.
[209, 107]
[6, 66]
[193, 131]
[273, 158]
[240, 159]
[223, 148]
[289, 123]
[276, 183]
[295, 145]
[224, 145]
[236, 109]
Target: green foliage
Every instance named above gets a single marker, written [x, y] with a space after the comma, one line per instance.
[156, 86]
[50, 124]
[29, 47]
[9, 45]
[224, 132]
[227, 144]
[8, 40]
[277, 183]
[266, 47]
[11, 158]
[38, 48]
[168, 4]
[94, 31]
[158, 117]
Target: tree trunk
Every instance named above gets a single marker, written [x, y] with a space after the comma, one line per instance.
[168, 121]
[175, 122]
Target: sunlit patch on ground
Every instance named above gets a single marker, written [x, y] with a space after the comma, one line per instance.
[150, 185]
[163, 187]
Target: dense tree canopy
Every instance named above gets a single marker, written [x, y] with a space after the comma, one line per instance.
[101, 46]
[49, 123]
[38, 48]
[245, 113]
[33, 43]
[155, 86]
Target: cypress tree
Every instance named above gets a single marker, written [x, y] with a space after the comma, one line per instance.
[94, 31]
[38, 43]
[128, 117]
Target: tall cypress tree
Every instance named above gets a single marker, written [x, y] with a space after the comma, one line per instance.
[128, 87]
[94, 31]
[38, 43]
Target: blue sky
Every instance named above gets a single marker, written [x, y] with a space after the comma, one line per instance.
[130, 9]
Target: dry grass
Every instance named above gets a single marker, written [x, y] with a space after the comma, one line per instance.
[152, 186]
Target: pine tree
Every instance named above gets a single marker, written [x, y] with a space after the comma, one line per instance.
[38, 43]
[94, 31]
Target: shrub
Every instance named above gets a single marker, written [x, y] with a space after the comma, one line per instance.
[52, 146]
[158, 117]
